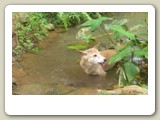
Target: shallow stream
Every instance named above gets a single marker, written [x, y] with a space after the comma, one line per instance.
[57, 65]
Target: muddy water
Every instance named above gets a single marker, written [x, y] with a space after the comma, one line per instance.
[55, 65]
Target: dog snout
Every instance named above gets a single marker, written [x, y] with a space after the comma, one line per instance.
[105, 60]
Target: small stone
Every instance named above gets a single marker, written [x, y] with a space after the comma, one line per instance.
[50, 27]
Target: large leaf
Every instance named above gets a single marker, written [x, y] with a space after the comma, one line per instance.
[77, 47]
[119, 29]
[131, 70]
[98, 21]
[120, 55]
[94, 23]
[128, 44]
[104, 18]
[88, 23]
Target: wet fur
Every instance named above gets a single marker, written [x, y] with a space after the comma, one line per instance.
[93, 68]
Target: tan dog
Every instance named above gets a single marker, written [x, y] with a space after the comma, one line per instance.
[94, 62]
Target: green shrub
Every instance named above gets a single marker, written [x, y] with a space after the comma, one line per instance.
[69, 19]
[32, 27]
[129, 56]
[30, 30]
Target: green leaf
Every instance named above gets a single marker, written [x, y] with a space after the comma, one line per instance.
[94, 23]
[88, 23]
[144, 86]
[145, 48]
[18, 25]
[88, 38]
[116, 35]
[128, 44]
[141, 53]
[125, 27]
[120, 55]
[119, 29]
[104, 18]
[64, 18]
[77, 47]
[131, 70]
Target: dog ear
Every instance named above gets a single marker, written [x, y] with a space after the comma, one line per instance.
[83, 52]
[97, 45]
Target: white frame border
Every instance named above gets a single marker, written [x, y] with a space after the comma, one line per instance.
[79, 104]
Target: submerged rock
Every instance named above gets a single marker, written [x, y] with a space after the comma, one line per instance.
[57, 89]
[43, 89]
[84, 91]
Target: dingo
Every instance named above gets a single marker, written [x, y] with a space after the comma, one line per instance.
[94, 62]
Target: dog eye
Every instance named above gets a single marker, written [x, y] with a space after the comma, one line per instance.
[95, 55]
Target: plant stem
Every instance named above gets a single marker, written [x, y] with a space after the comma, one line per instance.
[107, 34]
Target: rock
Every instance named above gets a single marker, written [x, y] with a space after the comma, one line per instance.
[14, 80]
[134, 90]
[13, 28]
[14, 84]
[51, 89]
[17, 70]
[50, 27]
[84, 91]
[13, 59]
[43, 89]
[109, 92]
[14, 41]
[127, 90]
[60, 30]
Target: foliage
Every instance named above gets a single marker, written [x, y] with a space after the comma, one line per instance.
[120, 31]
[33, 27]
[68, 19]
[94, 23]
[30, 30]
[131, 70]
[131, 54]
[120, 55]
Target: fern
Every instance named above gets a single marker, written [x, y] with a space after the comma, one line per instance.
[86, 16]
[63, 17]
[98, 14]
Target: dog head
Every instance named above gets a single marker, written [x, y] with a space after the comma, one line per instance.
[93, 56]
